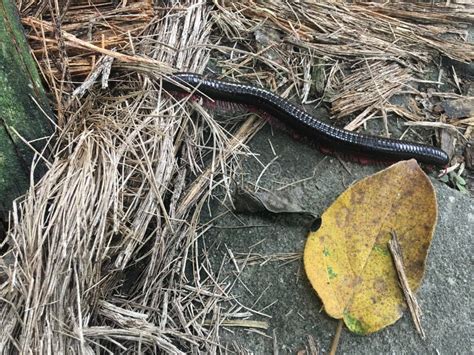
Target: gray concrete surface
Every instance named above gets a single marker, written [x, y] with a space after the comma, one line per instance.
[445, 296]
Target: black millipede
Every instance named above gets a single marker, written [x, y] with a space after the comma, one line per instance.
[337, 139]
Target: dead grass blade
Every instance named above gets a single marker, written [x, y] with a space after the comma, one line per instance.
[105, 253]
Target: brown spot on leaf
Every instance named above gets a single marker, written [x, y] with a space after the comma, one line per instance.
[380, 285]
[342, 217]
[357, 197]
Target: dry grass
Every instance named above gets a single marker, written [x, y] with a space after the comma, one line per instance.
[104, 249]
[105, 252]
[355, 56]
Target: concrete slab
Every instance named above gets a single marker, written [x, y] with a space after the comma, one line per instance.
[295, 310]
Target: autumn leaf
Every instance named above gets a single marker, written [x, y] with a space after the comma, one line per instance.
[347, 259]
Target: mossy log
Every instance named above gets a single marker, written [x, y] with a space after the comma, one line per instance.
[23, 109]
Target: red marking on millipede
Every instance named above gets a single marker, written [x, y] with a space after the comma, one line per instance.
[231, 108]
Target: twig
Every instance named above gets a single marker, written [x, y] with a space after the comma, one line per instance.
[337, 336]
[410, 298]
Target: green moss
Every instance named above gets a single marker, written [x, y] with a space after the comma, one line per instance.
[19, 84]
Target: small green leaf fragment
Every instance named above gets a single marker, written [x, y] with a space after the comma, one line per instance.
[444, 178]
[462, 189]
[460, 180]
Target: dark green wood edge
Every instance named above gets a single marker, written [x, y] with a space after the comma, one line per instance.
[19, 83]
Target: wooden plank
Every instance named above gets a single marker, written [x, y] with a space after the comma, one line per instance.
[21, 93]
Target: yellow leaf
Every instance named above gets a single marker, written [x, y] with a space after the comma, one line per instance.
[347, 259]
